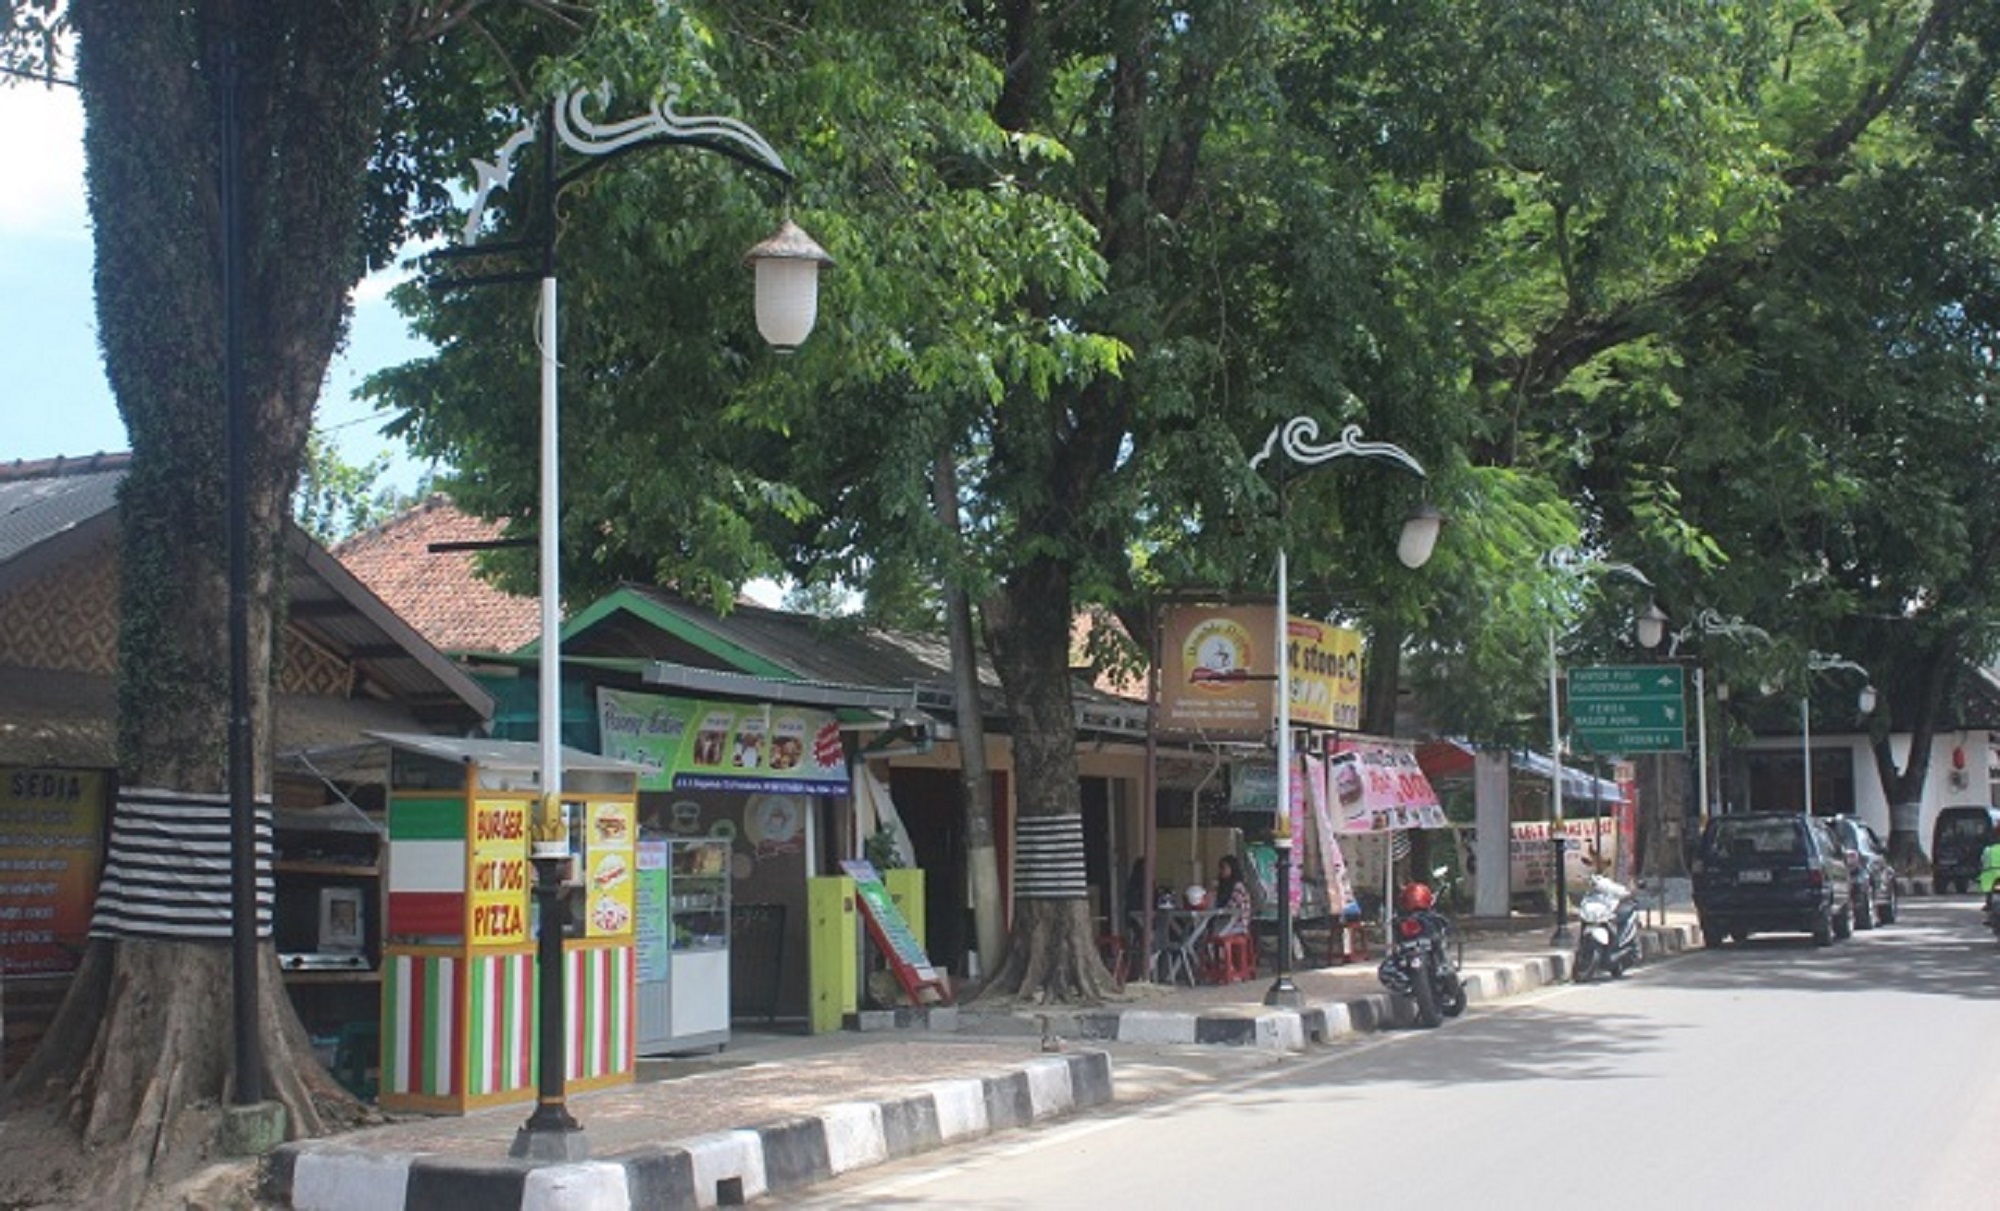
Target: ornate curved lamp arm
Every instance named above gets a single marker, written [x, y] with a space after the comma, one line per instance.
[1297, 438]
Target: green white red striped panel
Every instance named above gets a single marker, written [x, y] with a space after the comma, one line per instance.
[500, 1028]
[421, 999]
[598, 1006]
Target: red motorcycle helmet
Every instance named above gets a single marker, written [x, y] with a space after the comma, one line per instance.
[1415, 897]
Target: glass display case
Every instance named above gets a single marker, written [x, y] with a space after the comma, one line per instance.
[698, 895]
[682, 973]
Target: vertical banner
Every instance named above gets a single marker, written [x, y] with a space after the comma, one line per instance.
[1332, 863]
[650, 912]
[613, 882]
[499, 879]
[1295, 822]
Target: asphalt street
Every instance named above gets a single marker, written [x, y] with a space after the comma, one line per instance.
[1771, 1074]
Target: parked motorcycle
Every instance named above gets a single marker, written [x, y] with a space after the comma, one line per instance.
[1420, 963]
[1609, 937]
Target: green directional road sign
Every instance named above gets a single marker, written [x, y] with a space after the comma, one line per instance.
[1638, 708]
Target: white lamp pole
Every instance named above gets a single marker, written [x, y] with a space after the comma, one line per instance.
[1820, 662]
[1575, 566]
[787, 268]
[1297, 440]
[1709, 622]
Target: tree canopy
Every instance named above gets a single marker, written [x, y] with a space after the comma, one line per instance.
[1692, 287]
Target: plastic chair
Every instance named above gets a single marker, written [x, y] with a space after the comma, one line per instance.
[1230, 958]
[1111, 948]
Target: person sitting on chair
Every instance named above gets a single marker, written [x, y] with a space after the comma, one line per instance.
[1231, 895]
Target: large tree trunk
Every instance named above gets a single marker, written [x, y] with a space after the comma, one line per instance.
[1052, 952]
[143, 1050]
[1929, 684]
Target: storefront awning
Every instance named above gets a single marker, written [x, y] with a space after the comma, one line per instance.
[1576, 784]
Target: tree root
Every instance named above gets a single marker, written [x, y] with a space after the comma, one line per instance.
[140, 1057]
[1051, 959]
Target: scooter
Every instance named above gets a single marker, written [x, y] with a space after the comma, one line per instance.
[1420, 965]
[1609, 937]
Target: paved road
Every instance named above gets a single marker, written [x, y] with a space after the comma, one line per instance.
[1771, 1074]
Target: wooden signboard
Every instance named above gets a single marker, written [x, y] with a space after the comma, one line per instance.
[921, 982]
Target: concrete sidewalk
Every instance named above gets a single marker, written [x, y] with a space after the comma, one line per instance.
[779, 1113]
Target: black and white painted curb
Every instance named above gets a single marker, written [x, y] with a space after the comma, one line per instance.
[1294, 1029]
[720, 1169]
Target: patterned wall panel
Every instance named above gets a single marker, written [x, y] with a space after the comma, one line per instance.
[65, 619]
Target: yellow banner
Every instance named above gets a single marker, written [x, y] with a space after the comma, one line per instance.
[610, 879]
[1326, 675]
[501, 878]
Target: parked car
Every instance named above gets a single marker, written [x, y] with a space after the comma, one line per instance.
[1868, 863]
[1957, 837]
[1772, 871]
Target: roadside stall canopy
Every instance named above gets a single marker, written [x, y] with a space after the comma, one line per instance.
[1453, 759]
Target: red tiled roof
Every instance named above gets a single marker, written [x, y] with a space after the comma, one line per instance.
[439, 593]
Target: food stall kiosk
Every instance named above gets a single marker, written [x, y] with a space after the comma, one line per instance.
[459, 975]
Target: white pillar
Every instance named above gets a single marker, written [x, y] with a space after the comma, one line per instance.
[1491, 885]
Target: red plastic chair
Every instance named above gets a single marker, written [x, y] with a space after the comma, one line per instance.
[1111, 948]
[1230, 958]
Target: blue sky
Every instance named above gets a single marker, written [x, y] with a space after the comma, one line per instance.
[53, 396]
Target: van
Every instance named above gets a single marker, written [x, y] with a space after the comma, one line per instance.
[1957, 837]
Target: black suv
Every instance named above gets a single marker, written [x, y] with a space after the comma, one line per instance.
[1874, 879]
[1958, 836]
[1772, 871]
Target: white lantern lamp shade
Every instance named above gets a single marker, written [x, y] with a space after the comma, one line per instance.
[1420, 535]
[787, 267]
[1866, 700]
[1652, 625]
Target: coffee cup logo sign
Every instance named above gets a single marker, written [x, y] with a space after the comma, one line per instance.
[1219, 675]
[1218, 654]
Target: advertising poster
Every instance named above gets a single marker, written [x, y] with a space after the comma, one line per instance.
[501, 877]
[687, 744]
[1589, 844]
[1377, 786]
[611, 880]
[51, 847]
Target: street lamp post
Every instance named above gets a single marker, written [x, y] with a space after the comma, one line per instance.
[1709, 622]
[1817, 662]
[1574, 565]
[786, 267]
[1297, 440]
